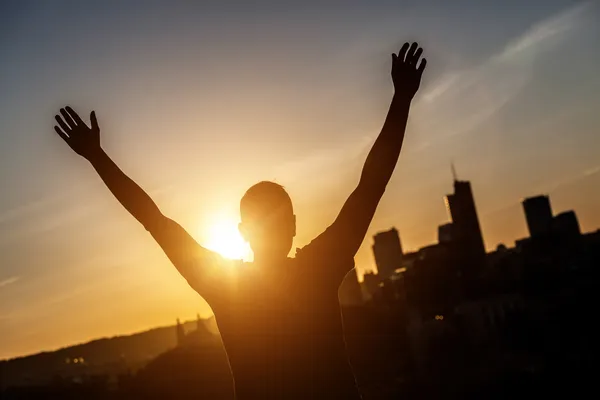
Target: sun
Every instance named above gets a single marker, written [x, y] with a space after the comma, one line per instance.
[224, 238]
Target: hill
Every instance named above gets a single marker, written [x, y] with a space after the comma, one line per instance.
[105, 356]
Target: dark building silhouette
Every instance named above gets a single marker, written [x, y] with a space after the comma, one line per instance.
[465, 223]
[467, 240]
[370, 284]
[538, 214]
[445, 233]
[566, 225]
[431, 284]
[388, 252]
[409, 259]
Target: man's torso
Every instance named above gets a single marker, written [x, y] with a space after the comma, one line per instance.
[283, 335]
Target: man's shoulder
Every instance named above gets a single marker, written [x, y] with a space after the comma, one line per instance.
[322, 249]
[321, 258]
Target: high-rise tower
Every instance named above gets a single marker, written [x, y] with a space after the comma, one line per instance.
[388, 252]
[538, 214]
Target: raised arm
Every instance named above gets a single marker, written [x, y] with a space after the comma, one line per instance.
[199, 266]
[346, 234]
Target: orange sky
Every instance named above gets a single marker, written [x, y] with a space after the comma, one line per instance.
[197, 106]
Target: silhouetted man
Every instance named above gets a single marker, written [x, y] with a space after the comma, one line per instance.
[279, 317]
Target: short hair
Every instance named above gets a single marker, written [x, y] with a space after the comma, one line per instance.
[264, 197]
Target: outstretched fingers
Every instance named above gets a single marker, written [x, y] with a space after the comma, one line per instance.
[415, 58]
[93, 120]
[68, 119]
[62, 123]
[411, 52]
[74, 115]
[61, 133]
[407, 69]
[402, 52]
[422, 65]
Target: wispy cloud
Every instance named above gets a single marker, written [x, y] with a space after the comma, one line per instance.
[8, 215]
[463, 99]
[440, 87]
[591, 171]
[553, 184]
[55, 211]
[543, 32]
[8, 281]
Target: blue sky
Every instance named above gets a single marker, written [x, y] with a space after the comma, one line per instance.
[199, 100]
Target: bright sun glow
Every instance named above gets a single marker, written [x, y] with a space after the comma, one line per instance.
[225, 239]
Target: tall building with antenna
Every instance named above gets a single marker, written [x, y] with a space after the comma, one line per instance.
[467, 239]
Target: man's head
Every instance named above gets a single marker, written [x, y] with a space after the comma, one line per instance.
[268, 220]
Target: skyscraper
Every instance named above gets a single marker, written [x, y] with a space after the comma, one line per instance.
[370, 285]
[445, 233]
[350, 292]
[566, 225]
[465, 223]
[538, 214]
[466, 241]
[388, 252]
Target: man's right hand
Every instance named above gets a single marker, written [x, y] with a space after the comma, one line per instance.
[83, 140]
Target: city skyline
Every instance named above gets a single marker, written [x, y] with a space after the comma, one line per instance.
[509, 96]
[530, 204]
[366, 286]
